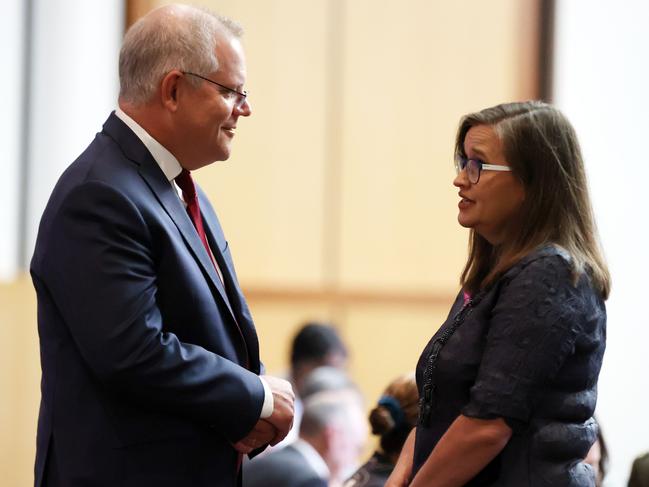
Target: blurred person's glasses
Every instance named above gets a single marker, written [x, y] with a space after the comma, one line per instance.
[238, 97]
[475, 166]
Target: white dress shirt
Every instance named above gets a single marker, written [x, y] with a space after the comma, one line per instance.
[312, 457]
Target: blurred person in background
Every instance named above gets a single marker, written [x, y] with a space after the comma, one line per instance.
[150, 358]
[316, 344]
[392, 419]
[508, 384]
[320, 379]
[332, 436]
[326, 378]
[640, 472]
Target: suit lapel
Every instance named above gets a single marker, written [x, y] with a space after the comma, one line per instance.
[235, 295]
[164, 192]
[166, 195]
[169, 200]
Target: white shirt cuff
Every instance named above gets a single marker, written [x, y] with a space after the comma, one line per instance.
[269, 403]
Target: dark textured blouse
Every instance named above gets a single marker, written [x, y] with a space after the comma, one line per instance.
[528, 350]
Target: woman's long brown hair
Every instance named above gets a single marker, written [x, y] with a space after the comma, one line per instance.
[542, 149]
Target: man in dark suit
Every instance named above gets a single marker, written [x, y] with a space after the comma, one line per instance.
[150, 360]
[332, 434]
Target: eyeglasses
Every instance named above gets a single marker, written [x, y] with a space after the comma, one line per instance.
[475, 166]
[239, 97]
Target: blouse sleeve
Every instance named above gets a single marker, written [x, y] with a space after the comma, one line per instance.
[532, 330]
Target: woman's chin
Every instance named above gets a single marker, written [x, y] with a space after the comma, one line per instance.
[465, 222]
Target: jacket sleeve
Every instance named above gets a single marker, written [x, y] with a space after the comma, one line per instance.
[532, 330]
[101, 274]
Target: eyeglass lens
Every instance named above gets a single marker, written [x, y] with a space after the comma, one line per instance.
[472, 167]
[236, 98]
[239, 99]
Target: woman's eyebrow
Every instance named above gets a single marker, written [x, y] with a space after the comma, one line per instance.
[479, 152]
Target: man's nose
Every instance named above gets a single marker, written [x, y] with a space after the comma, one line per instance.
[245, 110]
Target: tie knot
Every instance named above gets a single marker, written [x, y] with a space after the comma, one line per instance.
[186, 184]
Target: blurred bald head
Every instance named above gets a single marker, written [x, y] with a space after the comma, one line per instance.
[334, 424]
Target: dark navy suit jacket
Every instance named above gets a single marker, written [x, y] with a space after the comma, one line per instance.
[149, 365]
[283, 468]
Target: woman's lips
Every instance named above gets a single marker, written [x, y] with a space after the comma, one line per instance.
[464, 202]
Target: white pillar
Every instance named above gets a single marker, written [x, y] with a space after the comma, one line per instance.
[73, 88]
[12, 40]
[602, 83]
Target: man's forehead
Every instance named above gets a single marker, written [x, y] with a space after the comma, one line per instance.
[231, 59]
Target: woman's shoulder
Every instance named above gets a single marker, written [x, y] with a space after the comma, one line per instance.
[546, 277]
[543, 262]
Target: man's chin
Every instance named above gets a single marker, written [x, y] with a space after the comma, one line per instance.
[223, 153]
[211, 159]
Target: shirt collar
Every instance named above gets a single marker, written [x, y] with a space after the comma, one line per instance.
[165, 159]
[312, 457]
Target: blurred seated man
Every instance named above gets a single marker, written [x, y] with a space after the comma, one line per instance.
[325, 378]
[315, 345]
[332, 435]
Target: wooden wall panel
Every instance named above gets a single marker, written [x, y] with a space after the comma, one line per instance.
[277, 321]
[341, 179]
[385, 341]
[410, 73]
[270, 193]
[19, 382]
[138, 8]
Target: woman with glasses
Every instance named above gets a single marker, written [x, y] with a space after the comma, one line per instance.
[508, 383]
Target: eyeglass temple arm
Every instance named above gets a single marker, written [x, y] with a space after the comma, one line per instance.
[496, 167]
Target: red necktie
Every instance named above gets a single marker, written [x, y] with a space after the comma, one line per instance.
[185, 182]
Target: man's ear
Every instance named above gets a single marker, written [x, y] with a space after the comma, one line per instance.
[330, 434]
[169, 90]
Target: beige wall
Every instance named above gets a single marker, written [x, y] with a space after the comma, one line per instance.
[19, 382]
[337, 201]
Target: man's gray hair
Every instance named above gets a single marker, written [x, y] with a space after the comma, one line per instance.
[170, 37]
[328, 407]
[326, 378]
